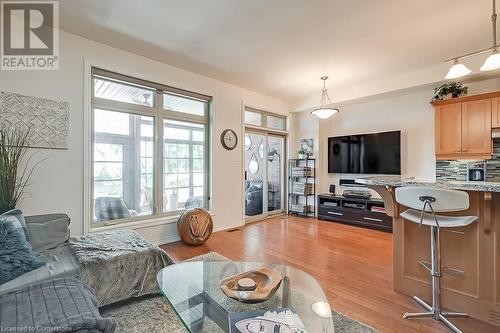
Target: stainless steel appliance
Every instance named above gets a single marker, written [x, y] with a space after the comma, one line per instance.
[476, 171]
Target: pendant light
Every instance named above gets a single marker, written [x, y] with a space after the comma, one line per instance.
[492, 62]
[325, 109]
[457, 70]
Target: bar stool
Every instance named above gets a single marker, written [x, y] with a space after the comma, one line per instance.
[425, 202]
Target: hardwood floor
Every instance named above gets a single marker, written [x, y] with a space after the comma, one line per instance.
[352, 264]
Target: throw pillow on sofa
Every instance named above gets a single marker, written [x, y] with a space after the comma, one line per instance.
[16, 254]
[16, 217]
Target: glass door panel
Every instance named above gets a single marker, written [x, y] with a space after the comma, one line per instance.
[255, 169]
[275, 173]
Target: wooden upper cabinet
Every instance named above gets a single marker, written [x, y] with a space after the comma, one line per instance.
[476, 127]
[464, 125]
[495, 112]
[449, 129]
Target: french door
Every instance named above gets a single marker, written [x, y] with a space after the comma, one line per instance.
[264, 184]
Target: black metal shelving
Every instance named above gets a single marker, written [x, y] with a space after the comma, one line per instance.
[308, 197]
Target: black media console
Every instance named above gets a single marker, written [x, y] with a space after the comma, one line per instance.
[363, 212]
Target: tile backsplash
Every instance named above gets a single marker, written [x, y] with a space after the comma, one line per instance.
[451, 170]
[457, 170]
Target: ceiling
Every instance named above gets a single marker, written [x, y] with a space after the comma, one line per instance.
[282, 47]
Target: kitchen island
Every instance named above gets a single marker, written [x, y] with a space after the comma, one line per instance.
[474, 249]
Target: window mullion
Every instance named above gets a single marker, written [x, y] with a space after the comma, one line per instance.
[191, 165]
[160, 158]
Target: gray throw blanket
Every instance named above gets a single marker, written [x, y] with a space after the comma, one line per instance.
[118, 264]
[58, 305]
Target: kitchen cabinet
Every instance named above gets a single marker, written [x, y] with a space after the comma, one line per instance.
[464, 125]
[495, 112]
[476, 127]
[449, 129]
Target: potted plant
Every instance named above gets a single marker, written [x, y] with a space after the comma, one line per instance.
[302, 153]
[449, 90]
[14, 178]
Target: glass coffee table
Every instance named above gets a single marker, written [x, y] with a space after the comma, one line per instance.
[193, 290]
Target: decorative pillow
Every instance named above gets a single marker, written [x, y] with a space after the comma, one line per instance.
[16, 254]
[16, 217]
[110, 208]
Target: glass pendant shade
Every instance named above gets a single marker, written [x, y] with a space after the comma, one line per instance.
[324, 112]
[492, 62]
[457, 70]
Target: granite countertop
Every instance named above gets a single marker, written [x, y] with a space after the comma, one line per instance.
[398, 181]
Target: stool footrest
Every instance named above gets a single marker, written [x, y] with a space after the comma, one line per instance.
[452, 271]
[445, 270]
[426, 264]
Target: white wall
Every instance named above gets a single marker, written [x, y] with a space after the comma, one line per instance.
[409, 111]
[58, 182]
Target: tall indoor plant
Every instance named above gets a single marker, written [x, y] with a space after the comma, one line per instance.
[14, 178]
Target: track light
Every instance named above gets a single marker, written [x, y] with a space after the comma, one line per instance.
[457, 70]
[492, 62]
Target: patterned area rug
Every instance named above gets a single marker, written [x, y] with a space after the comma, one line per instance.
[154, 315]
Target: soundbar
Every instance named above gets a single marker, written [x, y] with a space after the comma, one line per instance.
[350, 183]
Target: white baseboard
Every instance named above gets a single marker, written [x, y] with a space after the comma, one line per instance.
[227, 227]
[175, 237]
[165, 240]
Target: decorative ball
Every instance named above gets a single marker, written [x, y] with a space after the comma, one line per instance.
[195, 226]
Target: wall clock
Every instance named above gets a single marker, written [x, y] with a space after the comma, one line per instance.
[229, 139]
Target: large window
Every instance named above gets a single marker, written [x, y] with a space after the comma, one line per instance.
[150, 149]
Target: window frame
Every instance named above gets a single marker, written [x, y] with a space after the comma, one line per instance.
[264, 115]
[158, 113]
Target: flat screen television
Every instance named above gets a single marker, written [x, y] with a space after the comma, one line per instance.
[378, 153]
